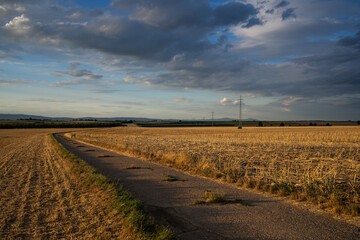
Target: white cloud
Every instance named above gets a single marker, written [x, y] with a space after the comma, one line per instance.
[283, 109]
[19, 25]
[290, 100]
[236, 102]
[224, 101]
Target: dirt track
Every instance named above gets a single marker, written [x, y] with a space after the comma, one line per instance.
[41, 198]
[172, 203]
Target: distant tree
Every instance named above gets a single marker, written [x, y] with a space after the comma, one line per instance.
[282, 124]
[315, 124]
[358, 122]
[311, 124]
[328, 124]
[261, 124]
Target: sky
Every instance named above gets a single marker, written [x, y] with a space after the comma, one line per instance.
[181, 59]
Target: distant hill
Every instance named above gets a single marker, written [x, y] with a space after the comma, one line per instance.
[36, 117]
[25, 116]
[21, 116]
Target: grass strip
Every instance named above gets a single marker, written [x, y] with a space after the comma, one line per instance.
[135, 217]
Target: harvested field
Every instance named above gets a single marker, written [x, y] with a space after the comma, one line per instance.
[43, 197]
[318, 164]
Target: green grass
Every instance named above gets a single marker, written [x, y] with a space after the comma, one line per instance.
[135, 218]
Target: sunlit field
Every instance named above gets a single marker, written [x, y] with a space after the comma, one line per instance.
[47, 193]
[318, 164]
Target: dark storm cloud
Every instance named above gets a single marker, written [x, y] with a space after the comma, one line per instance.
[282, 4]
[288, 13]
[327, 75]
[185, 13]
[233, 13]
[252, 22]
[156, 30]
[353, 42]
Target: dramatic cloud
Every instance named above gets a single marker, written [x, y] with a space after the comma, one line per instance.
[292, 51]
[19, 25]
[156, 30]
[288, 13]
[351, 41]
[282, 4]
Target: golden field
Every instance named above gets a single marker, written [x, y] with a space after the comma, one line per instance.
[319, 164]
[48, 193]
[42, 198]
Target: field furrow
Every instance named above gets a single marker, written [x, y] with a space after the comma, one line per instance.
[42, 198]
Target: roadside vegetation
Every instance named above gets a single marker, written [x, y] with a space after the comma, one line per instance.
[316, 164]
[135, 219]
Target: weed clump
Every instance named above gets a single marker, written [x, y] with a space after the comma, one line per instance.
[213, 197]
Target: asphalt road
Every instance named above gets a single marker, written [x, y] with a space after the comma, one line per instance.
[172, 203]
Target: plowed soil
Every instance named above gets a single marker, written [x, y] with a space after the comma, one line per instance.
[41, 197]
